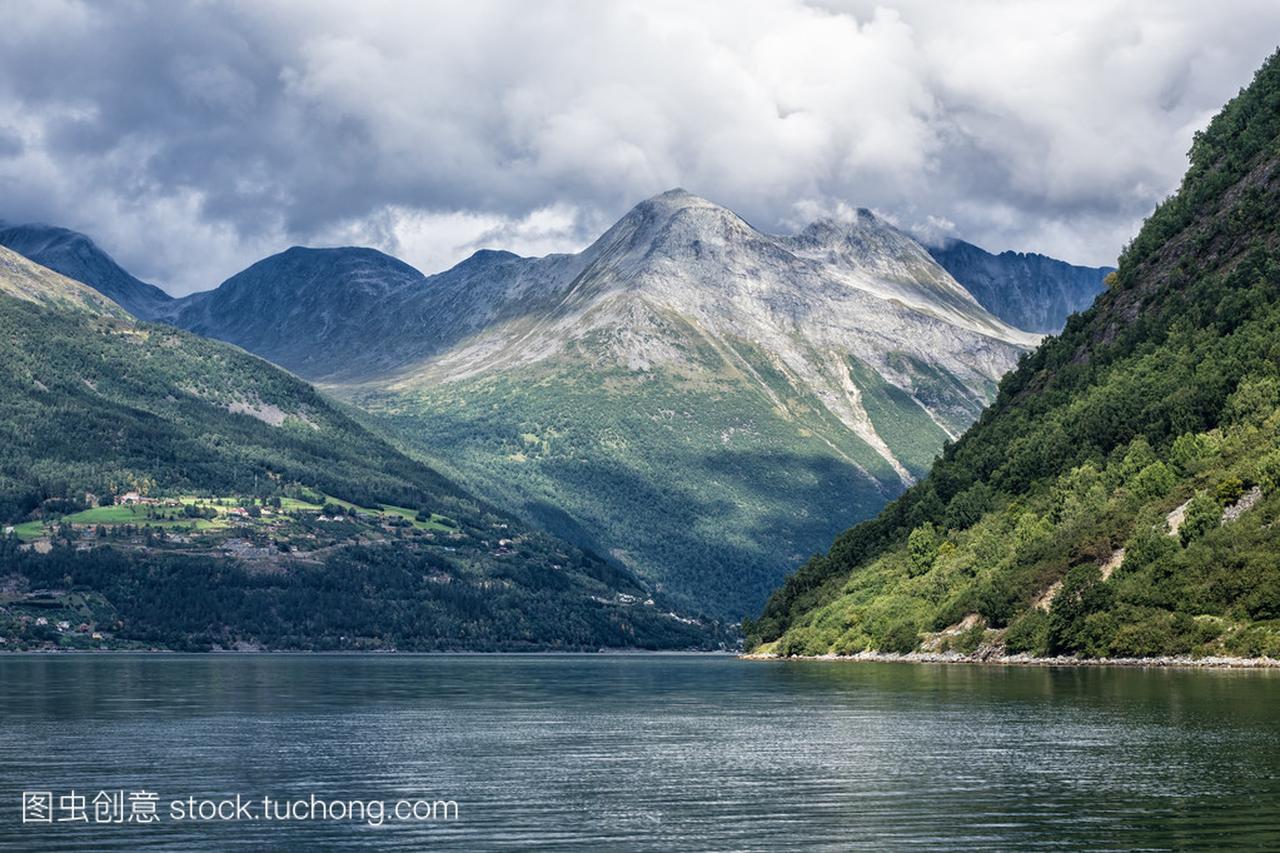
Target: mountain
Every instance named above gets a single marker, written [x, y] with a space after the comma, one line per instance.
[172, 490]
[1120, 496]
[315, 311]
[1026, 290]
[77, 257]
[704, 401]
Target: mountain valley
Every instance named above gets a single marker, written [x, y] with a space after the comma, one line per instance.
[744, 393]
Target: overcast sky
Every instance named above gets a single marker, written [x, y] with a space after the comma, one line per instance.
[191, 139]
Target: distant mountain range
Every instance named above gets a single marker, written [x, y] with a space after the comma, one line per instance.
[1030, 291]
[319, 312]
[703, 401]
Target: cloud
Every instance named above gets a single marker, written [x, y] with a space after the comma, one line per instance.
[191, 139]
[432, 240]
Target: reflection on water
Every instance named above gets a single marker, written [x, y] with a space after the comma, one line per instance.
[648, 752]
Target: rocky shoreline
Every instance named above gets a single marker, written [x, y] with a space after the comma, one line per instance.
[1169, 662]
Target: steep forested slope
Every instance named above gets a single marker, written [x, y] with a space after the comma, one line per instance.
[97, 402]
[1121, 495]
[252, 509]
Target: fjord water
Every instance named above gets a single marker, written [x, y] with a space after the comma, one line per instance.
[647, 752]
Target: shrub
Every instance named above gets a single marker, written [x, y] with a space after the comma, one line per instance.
[1204, 513]
[1264, 601]
[1267, 471]
[922, 549]
[801, 641]
[850, 643]
[955, 609]
[1097, 635]
[996, 601]
[1254, 399]
[1083, 594]
[900, 637]
[1191, 450]
[1029, 634]
[967, 643]
[1150, 637]
[1248, 642]
[1154, 481]
[1228, 491]
[1148, 546]
[1190, 632]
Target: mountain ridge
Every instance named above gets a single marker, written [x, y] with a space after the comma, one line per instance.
[835, 361]
[77, 257]
[1027, 289]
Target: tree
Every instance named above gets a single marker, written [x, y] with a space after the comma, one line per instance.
[1153, 481]
[900, 637]
[922, 549]
[1203, 514]
[1190, 450]
[1254, 399]
[1267, 472]
[1083, 593]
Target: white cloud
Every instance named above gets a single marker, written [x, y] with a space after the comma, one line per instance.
[191, 138]
[433, 241]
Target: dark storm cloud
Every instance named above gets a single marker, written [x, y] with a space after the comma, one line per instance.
[190, 139]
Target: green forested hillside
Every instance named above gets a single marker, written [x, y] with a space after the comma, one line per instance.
[705, 490]
[1120, 496]
[259, 513]
[23, 279]
[105, 405]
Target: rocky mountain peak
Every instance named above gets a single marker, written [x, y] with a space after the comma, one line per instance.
[674, 224]
[320, 273]
[866, 241]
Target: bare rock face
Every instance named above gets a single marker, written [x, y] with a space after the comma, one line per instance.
[1247, 502]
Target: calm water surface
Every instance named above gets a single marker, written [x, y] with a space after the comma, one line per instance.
[647, 752]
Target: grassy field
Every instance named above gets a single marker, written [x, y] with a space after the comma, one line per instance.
[137, 515]
[437, 523]
[109, 516]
